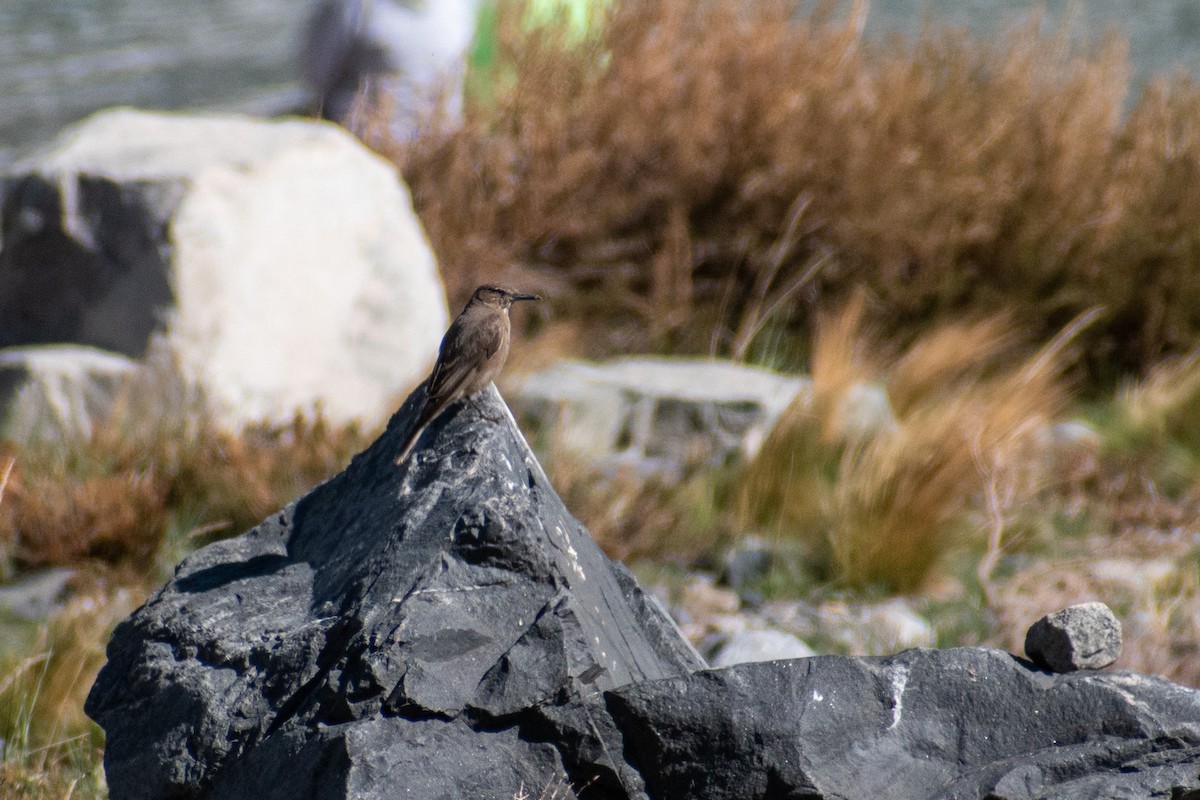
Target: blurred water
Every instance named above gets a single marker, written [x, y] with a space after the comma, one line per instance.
[62, 59]
[1164, 35]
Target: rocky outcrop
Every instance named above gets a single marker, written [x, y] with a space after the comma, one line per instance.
[961, 723]
[282, 259]
[446, 629]
[394, 628]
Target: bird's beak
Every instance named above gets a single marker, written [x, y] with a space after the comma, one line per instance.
[517, 297]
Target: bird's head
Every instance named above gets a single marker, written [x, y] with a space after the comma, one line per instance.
[498, 297]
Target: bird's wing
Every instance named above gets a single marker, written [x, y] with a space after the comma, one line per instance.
[461, 355]
[491, 337]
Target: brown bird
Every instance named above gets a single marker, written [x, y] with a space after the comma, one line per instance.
[472, 353]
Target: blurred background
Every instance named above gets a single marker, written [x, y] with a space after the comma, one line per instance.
[63, 60]
[913, 291]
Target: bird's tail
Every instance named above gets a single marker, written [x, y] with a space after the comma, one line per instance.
[409, 444]
[427, 413]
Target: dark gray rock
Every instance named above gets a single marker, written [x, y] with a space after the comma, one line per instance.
[961, 723]
[445, 629]
[386, 630]
[1084, 636]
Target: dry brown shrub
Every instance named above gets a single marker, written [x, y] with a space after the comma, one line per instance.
[632, 516]
[683, 173]
[63, 519]
[157, 463]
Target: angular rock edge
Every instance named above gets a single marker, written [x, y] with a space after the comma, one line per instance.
[446, 629]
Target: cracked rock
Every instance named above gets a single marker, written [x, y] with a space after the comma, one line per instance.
[385, 631]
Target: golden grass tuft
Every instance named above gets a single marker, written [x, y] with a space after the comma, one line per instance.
[881, 492]
[1165, 403]
[51, 749]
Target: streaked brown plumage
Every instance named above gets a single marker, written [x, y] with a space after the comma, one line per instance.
[472, 353]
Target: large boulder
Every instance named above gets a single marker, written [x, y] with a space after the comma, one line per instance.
[393, 629]
[445, 628]
[282, 259]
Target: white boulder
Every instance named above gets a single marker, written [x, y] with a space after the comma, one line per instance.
[282, 259]
[54, 391]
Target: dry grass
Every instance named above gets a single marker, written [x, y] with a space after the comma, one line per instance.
[157, 463]
[633, 517]
[52, 750]
[700, 173]
[1141, 575]
[1164, 405]
[1144, 475]
[882, 491]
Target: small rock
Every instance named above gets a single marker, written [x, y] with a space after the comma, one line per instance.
[768, 645]
[876, 628]
[1084, 636]
[51, 391]
[36, 596]
[747, 562]
[702, 599]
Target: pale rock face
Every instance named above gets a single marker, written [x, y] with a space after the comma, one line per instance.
[658, 415]
[754, 646]
[298, 273]
[55, 391]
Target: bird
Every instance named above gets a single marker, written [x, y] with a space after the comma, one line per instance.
[471, 354]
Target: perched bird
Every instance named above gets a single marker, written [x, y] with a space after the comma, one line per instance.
[472, 353]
